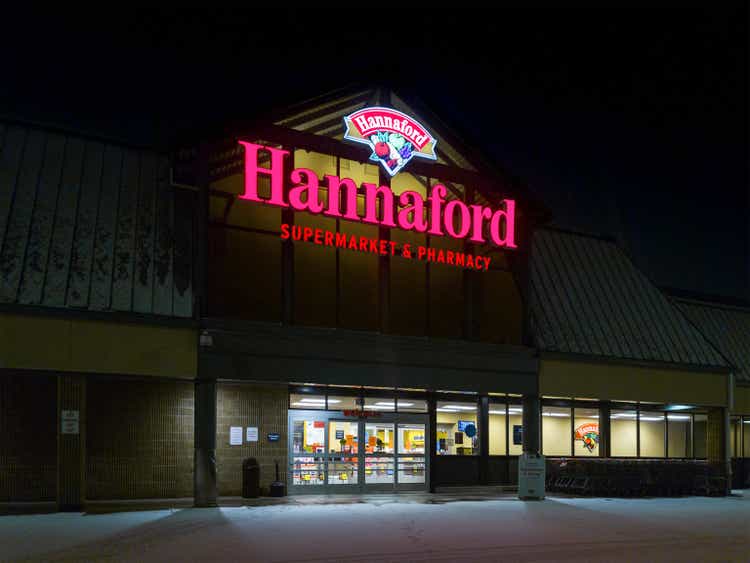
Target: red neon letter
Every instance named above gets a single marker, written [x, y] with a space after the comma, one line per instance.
[479, 214]
[276, 172]
[437, 197]
[416, 208]
[509, 216]
[386, 204]
[309, 189]
[450, 220]
[334, 198]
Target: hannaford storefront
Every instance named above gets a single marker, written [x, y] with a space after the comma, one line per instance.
[344, 290]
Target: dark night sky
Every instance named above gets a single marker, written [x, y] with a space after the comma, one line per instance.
[628, 122]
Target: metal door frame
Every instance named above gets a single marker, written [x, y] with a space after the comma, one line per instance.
[360, 487]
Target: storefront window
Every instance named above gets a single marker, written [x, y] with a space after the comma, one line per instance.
[556, 431]
[457, 429]
[342, 402]
[679, 434]
[651, 429]
[624, 433]
[497, 436]
[586, 432]
[384, 404]
[299, 401]
[746, 436]
[407, 404]
[515, 429]
[700, 422]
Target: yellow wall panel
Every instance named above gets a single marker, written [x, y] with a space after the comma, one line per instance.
[34, 342]
[741, 400]
[97, 346]
[561, 378]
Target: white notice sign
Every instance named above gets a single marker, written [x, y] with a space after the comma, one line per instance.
[69, 423]
[252, 434]
[235, 435]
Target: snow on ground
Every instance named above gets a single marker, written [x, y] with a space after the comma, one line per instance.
[391, 529]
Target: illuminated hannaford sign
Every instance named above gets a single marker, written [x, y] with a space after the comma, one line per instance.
[405, 211]
[394, 137]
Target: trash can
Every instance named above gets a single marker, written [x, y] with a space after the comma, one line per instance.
[250, 478]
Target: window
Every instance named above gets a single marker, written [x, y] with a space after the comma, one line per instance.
[407, 404]
[586, 432]
[746, 436]
[384, 404]
[305, 401]
[515, 429]
[679, 435]
[623, 433]
[341, 402]
[651, 430]
[457, 431]
[556, 431]
[498, 435]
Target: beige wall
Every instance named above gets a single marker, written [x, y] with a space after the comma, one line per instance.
[624, 438]
[679, 439]
[562, 378]
[35, 342]
[556, 435]
[498, 439]
[498, 435]
[652, 437]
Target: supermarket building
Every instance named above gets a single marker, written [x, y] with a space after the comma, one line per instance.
[284, 291]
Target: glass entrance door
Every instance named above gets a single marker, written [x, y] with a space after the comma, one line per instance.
[331, 454]
[379, 455]
[343, 453]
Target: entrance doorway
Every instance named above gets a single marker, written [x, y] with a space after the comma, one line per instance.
[332, 453]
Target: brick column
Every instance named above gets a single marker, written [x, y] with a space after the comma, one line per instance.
[717, 442]
[204, 485]
[71, 442]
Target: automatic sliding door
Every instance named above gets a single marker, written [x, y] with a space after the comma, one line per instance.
[411, 456]
[343, 453]
[308, 459]
[379, 453]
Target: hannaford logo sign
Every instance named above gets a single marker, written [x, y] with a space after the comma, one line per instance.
[404, 211]
[588, 434]
[393, 137]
